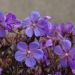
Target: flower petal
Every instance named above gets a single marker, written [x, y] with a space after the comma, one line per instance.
[66, 44]
[34, 45]
[35, 15]
[69, 27]
[63, 62]
[1, 16]
[38, 54]
[17, 24]
[30, 62]
[9, 28]
[10, 18]
[19, 56]
[29, 32]
[58, 50]
[61, 28]
[43, 23]
[72, 64]
[72, 52]
[2, 33]
[26, 22]
[49, 43]
[52, 26]
[22, 46]
[37, 32]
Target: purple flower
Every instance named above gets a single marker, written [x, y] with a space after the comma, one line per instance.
[35, 24]
[66, 30]
[58, 73]
[65, 52]
[29, 53]
[54, 33]
[12, 22]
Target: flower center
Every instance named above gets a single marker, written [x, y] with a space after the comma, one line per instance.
[66, 54]
[28, 51]
[33, 25]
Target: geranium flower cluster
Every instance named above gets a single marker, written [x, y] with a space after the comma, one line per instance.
[40, 41]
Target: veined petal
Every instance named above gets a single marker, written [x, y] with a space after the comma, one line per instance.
[19, 56]
[30, 62]
[26, 22]
[10, 18]
[38, 54]
[35, 16]
[22, 46]
[29, 32]
[38, 32]
[66, 44]
[58, 50]
[43, 23]
[17, 24]
[34, 45]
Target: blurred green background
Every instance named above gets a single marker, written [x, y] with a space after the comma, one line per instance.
[59, 10]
